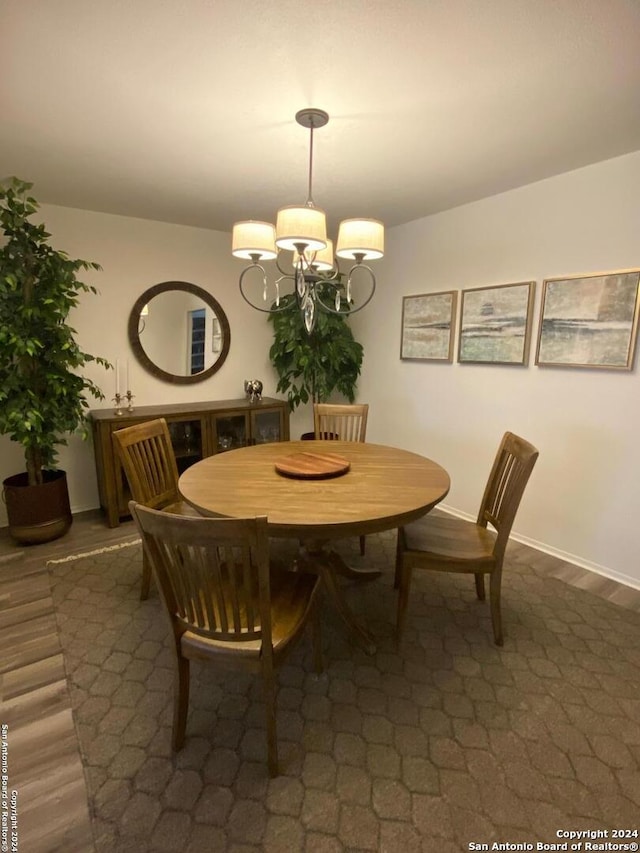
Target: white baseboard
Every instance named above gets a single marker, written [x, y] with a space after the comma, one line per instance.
[603, 571]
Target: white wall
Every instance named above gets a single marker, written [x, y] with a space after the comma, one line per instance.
[584, 497]
[136, 254]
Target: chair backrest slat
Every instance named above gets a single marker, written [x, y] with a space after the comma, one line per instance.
[213, 573]
[211, 611]
[340, 422]
[147, 457]
[217, 587]
[181, 588]
[203, 612]
[506, 484]
[250, 588]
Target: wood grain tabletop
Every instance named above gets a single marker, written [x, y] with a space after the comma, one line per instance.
[384, 487]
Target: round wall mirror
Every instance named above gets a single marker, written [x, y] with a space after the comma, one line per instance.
[179, 332]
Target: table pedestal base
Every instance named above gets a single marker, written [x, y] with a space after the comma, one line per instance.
[329, 564]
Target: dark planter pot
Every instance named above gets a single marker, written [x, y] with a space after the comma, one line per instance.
[37, 513]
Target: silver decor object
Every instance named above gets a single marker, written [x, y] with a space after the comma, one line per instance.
[253, 390]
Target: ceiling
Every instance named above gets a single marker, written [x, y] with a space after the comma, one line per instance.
[183, 110]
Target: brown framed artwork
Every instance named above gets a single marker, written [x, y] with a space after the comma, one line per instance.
[427, 326]
[495, 324]
[589, 320]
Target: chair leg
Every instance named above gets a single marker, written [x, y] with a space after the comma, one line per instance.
[362, 546]
[146, 577]
[270, 707]
[496, 611]
[180, 702]
[399, 541]
[403, 597]
[479, 578]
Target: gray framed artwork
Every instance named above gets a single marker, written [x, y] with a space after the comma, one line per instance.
[495, 324]
[427, 326]
[589, 320]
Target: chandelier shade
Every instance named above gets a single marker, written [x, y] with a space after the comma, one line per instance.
[360, 238]
[297, 226]
[312, 281]
[252, 238]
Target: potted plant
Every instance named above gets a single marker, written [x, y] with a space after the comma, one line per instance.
[42, 395]
[311, 367]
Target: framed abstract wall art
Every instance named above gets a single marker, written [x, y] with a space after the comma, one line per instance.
[427, 326]
[589, 320]
[495, 324]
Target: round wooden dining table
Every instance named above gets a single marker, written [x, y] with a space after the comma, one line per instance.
[379, 488]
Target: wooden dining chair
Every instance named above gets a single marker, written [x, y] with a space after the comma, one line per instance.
[449, 544]
[346, 422]
[146, 455]
[225, 603]
[343, 422]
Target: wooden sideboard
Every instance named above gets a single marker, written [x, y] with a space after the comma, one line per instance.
[197, 430]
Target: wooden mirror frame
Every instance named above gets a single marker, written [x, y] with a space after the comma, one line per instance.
[143, 358]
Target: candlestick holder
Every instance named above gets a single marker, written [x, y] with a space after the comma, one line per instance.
[118, 407]
[129, 397]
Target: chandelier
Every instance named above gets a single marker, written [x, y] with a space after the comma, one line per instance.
[313, 273]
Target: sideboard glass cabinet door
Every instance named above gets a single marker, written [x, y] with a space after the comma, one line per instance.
[230, 430]
[266, 426]
[255, 426]
[186, 438]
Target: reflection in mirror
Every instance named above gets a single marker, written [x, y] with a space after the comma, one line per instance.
[179, 332]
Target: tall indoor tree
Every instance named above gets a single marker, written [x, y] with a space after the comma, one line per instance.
[43, 396]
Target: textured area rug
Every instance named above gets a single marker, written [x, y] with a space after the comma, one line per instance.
[444, 741]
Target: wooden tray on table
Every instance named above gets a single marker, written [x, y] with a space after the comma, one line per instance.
[312, 465]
